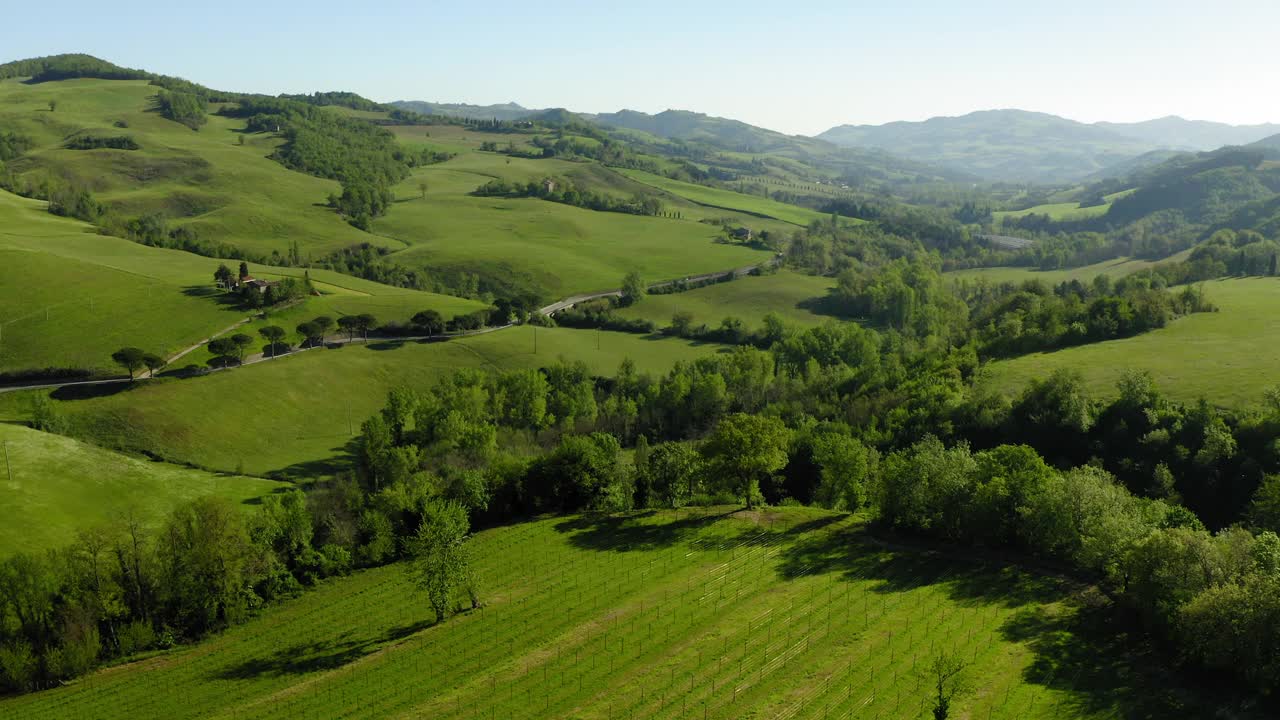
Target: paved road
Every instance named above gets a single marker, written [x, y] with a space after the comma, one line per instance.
[551, 309]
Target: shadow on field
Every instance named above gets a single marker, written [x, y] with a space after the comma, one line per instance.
[630, 531]
[89, 392]
[340, 461]
[1078, 640]
[823, 305]
[309, 657]
[636, 531]
[227, 299]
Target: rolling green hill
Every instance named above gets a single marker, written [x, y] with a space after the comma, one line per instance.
[710, 614]
[298, 413]
[130, 294]
[202, 180]
[55, 486]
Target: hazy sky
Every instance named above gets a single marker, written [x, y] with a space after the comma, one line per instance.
[799, 67]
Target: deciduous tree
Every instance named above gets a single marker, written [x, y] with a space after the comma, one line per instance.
[743, 449]
[130, 358]
[440, 562]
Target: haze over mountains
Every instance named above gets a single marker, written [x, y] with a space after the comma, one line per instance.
[994, 145]
[1036, 147]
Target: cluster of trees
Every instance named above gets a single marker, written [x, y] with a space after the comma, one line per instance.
[361, 202]
[98, 142]
[1012, 319]
[337, 98]
[182, 107]
[284, 290]
[66, 67]
[364, 157]
[132, 586]
[1240, 253]
[135, 359]
[12, 145]
[1214, 596]
[562, 190]
[908, 295]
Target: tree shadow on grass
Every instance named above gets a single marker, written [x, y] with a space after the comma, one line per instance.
[341, 461]
[1079, 642]
[825, 305]
[637, 531]
[386, 345]
[89, 392]
[317, 655]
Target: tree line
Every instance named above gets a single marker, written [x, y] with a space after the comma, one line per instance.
[562, 190]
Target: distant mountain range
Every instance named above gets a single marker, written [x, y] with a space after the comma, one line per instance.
[1181, 134]
[993, 145]
[1015, 145]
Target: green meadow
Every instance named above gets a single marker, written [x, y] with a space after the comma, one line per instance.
[298, 413]
[1229, 357]
[786, 613]
[55, 486]
[793, 296]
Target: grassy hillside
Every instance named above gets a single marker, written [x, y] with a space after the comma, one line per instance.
[1229, 357]
[55, 486]
[130, 294]
[530, 244]
[789, 294]
[1056, 211]
[204, 180]
[299, 412]
[1114, 268]
[783, 613]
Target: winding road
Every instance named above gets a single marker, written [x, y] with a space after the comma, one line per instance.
[548, 310]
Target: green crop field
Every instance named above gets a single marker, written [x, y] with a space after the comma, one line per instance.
[729, 200]
[789, 294]
[1114, 268]
[204, 179]
[70, 297]
[1229, 357]
[55, 486]
[297, 413]
[789, 613]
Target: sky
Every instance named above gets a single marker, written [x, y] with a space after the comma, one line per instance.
[800, 67]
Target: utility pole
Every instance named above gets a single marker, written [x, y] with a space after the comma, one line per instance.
[7, 466]
[535, 339]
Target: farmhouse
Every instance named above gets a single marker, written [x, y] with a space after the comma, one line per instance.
[741, 234]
